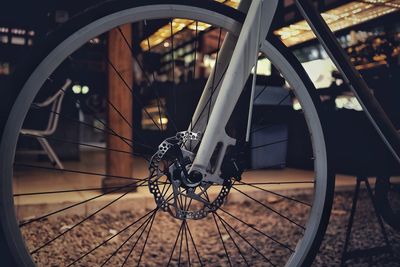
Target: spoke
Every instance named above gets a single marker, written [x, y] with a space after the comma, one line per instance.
[260, 93]
[181, 195]
[131, 91]
[110, 104]
[173, 65]
[113, 236]
[171, 118]
[123, 243]
[194, 244]
[277, 194]
[255, 229]
[283, 99]
[195, 51]
[222, 241]
[136, 242]
[134, 129]
[272, 183]
[82, 144]
[275, 183]
[190, 203]
[124, 139]
[187, 247]
[251, 245]
[269, 144]
[261, 128]
[176, 241]
[271, 209]
[119, 113]
[147, 237]
[98, 119]
[159, 104]
[194, 75]
[180, 248]
[73, 205]
[113, 133]
[214, 74]
[265, 126]
[159, 110]
[233, 240]
[185, 203]
[135, 57]
[79, 223]
[70, 191]
[164, 186]
[209, 99]
[144, 72]
[204, 192]
[219, 232]
[169, 197]
[79, 172]
[149, 49]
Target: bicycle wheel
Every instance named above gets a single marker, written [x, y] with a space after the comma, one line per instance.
[186, 222]
[387, 195]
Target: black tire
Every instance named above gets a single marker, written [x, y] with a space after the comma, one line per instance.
[385, 191]
[12, 253]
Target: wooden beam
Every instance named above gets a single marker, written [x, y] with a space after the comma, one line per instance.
[119, 54]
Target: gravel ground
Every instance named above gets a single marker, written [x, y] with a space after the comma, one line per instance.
[365, 234]
[206, 236]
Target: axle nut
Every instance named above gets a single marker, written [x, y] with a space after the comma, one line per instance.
[195, 177]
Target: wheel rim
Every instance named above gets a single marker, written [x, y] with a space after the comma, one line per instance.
[35, 82]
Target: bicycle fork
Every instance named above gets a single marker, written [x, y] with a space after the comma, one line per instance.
[238, 66]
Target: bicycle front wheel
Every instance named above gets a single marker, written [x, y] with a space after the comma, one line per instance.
[265, 218]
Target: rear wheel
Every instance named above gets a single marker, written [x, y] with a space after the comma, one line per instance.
[275, 217]
[387, 196]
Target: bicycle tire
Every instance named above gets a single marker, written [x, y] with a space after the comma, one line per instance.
[11, 243]
[387, 210]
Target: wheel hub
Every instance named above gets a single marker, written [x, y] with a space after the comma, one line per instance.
[169, 171]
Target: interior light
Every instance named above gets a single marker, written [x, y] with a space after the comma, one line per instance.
[77, 89]
[164, 121]
[18, 40]
[348, 102]
[296, 104]
[95, 40]
[344, 16]
[85, 89]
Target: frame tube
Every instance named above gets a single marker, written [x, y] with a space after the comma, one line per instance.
[352, 77]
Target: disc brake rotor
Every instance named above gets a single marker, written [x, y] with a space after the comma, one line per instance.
[173, 161]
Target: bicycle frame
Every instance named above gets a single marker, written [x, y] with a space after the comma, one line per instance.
[352, 77]
[243, 58]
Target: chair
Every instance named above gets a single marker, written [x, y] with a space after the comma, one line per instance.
[55, 101]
